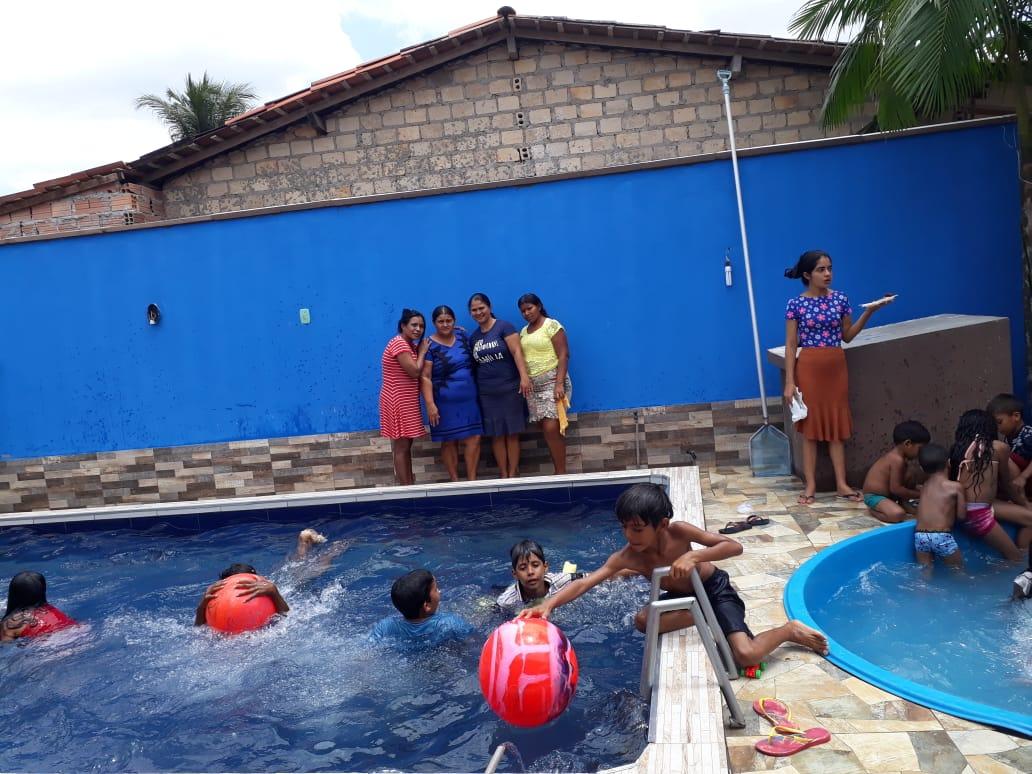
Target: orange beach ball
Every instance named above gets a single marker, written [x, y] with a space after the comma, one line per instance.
[231, 614]
[528, 671]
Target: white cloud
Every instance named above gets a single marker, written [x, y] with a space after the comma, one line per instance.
[70, 71]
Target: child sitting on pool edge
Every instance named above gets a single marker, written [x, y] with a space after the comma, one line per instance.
[533, 580]
[885, 486]
[1006, 410]
[644, 511]
[942, 504]
[417, 598]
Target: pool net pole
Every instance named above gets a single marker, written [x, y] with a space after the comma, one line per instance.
[725, 86]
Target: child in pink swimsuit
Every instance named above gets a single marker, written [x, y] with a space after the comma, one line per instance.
[975, 463]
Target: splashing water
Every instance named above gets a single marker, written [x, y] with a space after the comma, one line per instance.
[139, 688]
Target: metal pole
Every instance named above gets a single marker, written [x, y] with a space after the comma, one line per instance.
[725, 79]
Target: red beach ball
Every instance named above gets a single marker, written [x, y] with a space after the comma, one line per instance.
[528, 671]
[230, 614]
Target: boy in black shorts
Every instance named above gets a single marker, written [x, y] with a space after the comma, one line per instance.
[644, 511]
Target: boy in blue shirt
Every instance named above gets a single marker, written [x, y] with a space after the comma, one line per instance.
[417, 598]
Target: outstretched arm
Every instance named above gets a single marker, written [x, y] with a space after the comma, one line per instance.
[850, 329]
[575, 589]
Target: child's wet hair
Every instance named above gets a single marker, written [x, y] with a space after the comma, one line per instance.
[237, 569]
[411, 591]
[974, 425]
[524, 550]
[26, 591]
[911, 431]
[1004, 403]
[645, 502]
[932, 458]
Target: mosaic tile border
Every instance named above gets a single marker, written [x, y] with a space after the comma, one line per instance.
[626, 439]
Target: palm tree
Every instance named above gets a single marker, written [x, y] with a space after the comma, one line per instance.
[202, 106]
[920, 59]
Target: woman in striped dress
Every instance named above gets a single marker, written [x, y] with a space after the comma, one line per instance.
[400, 418]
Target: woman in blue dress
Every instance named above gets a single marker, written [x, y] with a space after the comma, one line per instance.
[450, 394]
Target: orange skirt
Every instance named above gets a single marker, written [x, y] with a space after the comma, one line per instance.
[821, 376]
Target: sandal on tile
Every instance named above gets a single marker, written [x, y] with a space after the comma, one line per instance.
[805, 499]
[757, 521]
[775, 712]
[854, 497]
[735, 526]
[781, 745]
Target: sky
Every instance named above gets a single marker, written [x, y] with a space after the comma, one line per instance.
[70, 71]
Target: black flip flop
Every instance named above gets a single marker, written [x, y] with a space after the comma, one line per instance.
[735, 526]
[757, 521]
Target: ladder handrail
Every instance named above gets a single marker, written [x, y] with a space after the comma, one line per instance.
[712, 637]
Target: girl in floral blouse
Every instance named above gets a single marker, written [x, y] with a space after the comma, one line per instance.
[816, 324]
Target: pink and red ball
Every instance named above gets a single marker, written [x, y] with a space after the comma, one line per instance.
[528, 672]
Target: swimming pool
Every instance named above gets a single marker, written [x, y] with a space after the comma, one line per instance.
[952, 641]
[139, 688]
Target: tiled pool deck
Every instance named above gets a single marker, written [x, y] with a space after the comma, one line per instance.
[872, 731]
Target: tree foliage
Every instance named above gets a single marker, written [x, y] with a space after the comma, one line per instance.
[920, 59]
[202, 106]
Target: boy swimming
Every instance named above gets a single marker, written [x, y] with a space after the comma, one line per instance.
[885, 487]
[644, 511]
[942, 504]
[533, 580]
[417, 598]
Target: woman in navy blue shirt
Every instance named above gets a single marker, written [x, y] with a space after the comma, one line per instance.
[502, 383]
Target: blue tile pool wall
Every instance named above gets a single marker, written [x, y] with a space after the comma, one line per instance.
[461, 504]
[715, 433]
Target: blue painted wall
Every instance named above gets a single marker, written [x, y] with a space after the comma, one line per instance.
[632, 264]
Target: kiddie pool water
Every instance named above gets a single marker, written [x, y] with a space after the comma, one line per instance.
[140, 688]
[949, 640]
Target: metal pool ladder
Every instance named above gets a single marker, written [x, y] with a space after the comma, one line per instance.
[713, 640]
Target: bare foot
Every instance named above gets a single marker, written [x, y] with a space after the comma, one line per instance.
[803, 635]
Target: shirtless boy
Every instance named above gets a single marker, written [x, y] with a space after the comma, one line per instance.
[644, 511]
[942, 504]
[885, 487]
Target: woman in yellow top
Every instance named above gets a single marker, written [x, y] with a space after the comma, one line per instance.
[547, 353]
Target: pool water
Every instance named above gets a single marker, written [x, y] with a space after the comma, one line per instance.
[139, 688]
[956, 632]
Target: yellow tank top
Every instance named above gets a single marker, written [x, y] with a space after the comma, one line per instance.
[538, 350]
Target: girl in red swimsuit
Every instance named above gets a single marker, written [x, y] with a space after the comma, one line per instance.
[28, 613]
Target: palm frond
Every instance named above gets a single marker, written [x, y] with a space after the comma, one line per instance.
[936, 53]
[202, 106]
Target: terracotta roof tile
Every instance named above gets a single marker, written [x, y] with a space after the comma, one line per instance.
[331, 90]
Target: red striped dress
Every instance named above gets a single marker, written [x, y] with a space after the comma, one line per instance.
[399, 395]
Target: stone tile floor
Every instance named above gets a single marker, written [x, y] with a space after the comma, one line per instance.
[872, 731]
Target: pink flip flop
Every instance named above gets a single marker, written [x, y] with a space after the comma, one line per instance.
[776, 712]
[782, 745]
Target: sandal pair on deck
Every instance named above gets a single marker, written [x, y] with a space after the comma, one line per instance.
[785, 738]
[741, 526]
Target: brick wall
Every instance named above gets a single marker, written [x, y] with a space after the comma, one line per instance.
[717, 434]
[113, 204]
[573, 108]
